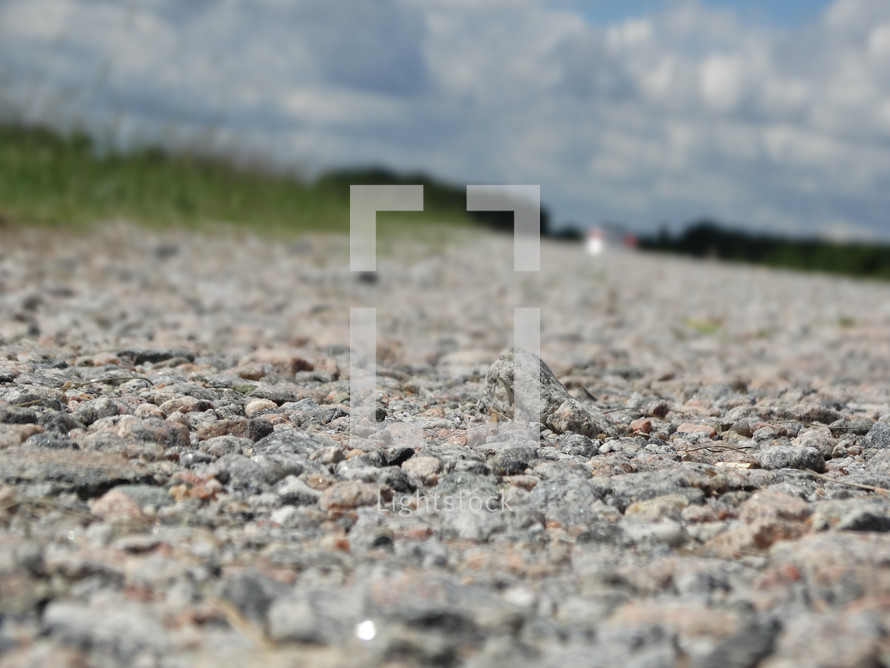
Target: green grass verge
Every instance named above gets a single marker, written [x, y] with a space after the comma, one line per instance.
[53, 180]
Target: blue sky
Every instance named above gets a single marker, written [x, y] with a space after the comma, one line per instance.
[781, 13]
[769, 115]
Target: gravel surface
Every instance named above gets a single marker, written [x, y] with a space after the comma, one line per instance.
[178, 485]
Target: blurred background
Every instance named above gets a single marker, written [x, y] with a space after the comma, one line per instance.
[751, 130]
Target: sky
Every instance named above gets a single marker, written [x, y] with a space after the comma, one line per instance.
[781, 13]
[770, 115]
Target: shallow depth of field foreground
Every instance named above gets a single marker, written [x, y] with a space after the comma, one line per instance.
[178, 485]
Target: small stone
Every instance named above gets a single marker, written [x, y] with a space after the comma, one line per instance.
[15, 415]
[254, 429]
[526, 482]
[284, 516]
[422, 468]
[877, 437]
[772, 504]
[857, 426]
[315, 617]
[195, 487]
[865, 519]
[668, 506]
[292, 441]
[819, 438]
[102, 359]
[149, 430]
[252, 594]
[790, 457]
[577, 445]
[698, 514]
[154, 355]
[658, 409]
[148, 410]
[12, 435]
[334, 543]
[770, 517]
[328, 455]
[93, 410]
[185, 405]
[293, 491]
[512, 459]
[690, 428]
[242, 473]
[572, 416]
[50, 442]
[643, 425]
[849, 638]
[258, 406]
[559, 410]
[649, 534]
[146, 495]
[117, 507]
[815, 413]
[220, 446]
[477, 434]
[839, 452]
[283, 361]
[7, 500]
[252, 371]
[88, 474]
[397, 456]
[124, 630]
[745, 427]
[351, 493]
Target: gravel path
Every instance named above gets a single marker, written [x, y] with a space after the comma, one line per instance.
[178, 485]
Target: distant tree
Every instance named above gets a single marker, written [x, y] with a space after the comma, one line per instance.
[437, 194]
[706, 237]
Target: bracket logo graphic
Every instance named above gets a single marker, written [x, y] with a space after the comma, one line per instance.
[364, 203]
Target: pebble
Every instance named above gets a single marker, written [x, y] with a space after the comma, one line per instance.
[819, 438]
[144, 355]
[789, 457]
[258, 406]
[126, 630]
[559, 410]
[689, 428]
[877, 437]
[422, 468]
[349, 494]
[641, 425]
[668, 506]
[146, 495]
[117, 507]
[294, 491]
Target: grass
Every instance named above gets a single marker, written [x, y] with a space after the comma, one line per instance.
[706, 327]
[51, 179]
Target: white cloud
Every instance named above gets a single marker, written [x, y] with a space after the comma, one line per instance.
[628, 34]
[684, 112]
[40, 21]
[722, 82]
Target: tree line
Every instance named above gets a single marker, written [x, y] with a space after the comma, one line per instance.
[707, 238]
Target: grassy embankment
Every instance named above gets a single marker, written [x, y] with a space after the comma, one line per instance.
[55, 180]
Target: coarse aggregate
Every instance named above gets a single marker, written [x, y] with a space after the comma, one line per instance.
[706, 485]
